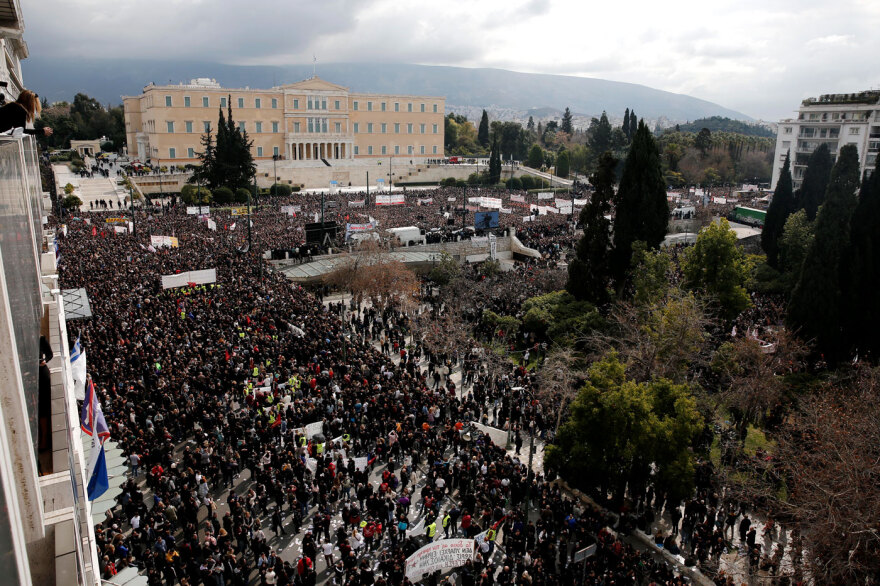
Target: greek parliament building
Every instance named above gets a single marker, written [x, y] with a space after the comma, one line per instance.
[832, 119]
[312, 121]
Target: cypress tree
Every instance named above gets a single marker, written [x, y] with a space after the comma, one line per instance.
[589, 274]
[625, 126]
[633, 124]
[567, 121]
[812, 192]
[642, 212]
[494, 163]
[483, 132]
[861, 271]
[600, 139]
[782, 206]
[815, 307]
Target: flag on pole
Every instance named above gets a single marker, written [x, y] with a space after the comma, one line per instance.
[78, 370]
[99, 481]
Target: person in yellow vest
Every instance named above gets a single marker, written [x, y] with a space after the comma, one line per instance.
[447, 524]
[319, 448]
[431, 530]
[490, 539]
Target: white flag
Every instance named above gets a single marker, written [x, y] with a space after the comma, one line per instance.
[78, 370]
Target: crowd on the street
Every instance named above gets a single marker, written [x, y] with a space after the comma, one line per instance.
[276, 439]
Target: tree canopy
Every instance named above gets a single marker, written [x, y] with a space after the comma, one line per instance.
[717, 266]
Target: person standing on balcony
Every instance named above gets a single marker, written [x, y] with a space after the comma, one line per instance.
[21, 112]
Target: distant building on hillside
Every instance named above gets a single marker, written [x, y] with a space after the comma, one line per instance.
[305, 121]
[834, 119]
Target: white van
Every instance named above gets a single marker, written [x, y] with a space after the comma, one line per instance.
[408, 235]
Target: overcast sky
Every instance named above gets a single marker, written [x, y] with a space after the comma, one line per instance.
[760, 57]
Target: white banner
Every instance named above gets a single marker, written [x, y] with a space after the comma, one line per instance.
[518, 198]
[527, 218]
[163, 241]
[120, 229]
[312, 465]
[719, 199]
[356, 204]
[390, 200]
[581, 202]
[425, 201]
[183, 279]
[486, 202]
[212, 225]
[313, 429]
[196, 210]
[361, 463]
[545, 195]
[451, 198]
[443, 555]
[564, 207]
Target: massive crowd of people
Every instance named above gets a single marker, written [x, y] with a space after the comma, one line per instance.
[276, 439]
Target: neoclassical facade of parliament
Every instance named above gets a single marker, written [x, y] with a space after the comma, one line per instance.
[311, 121]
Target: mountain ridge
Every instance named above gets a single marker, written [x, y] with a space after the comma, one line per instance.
[109, 79]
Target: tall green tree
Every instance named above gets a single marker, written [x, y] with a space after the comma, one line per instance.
[703, 141]
[600, 134]
[530, 125]
[625, 126]
[717, 267]
[536, 157]
[861, 271]
[494, 163]
[567, 125]
[563, 163]
[483, 132]
[782, 206]
[641, 209]
[589, 274]
[620, 430]
[815, 306]
[633, 124]
[797, 237]
[812, 192]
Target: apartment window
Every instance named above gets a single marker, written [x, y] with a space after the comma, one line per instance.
[296, 104]
[336, 104]
[189, 127]
[356, 150]
[259, 127]
[241, 126]
[383, 106]
[258, 103]
[409, 150]
[397, 106]
[275, 127]
[409, 107]
[338, 127]
[369, 128]
[311, 125]
[434, 150]
[384, 128]
[384, 150]
[172, 153]
[421, 129]
[370, 150]
[241, 102]
[275, 151]
[423, 107]
[259, 151]
[296, 126]
[170, 125]
[396, 149]
[854, 131]
[786, 130]
[191, 153]
[186, 102]
[369, 106]
[435, 111]
[409, 128]
[422, 149]
[167, 101]
[434, 129]
[786, 144]
[206, 126]
[324, 125]
[274, 102]
[355, 106]
[356, 127]
[222, 102]
[397, 128]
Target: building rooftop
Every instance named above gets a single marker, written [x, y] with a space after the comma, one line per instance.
[865, 97]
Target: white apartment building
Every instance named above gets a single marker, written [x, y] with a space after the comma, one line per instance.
[834, 119]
